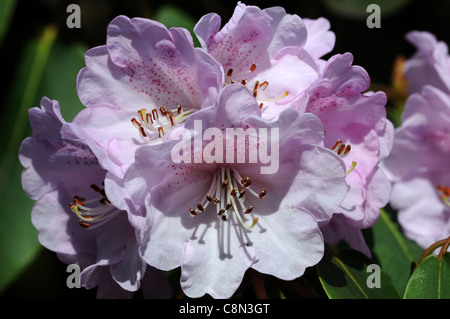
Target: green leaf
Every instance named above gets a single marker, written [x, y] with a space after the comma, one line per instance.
[17, 236]
[47, 68]
[349, 274]
[6, 12]
[431, 279]
[172, 16]
[60, 75]
[395, 254]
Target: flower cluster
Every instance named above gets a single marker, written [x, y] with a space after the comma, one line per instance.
[251, 151]
[419, 163]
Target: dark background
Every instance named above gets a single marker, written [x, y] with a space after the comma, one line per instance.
[373, 49]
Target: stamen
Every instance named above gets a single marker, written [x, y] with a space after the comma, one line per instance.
[341, 149]
[152, 126]
[89, 212]
[229, 188]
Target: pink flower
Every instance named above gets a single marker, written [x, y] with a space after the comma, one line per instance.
[357, 129]
[267, 51]
[419, 167]
[72, 212]
[217, 219]
[430, 65]
[138, 87]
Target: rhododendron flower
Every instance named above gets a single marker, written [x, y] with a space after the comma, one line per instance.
[419, 167]
[216, 219]
[138, 87]
[264, 50]
[72, 212]
[357, 129]
[430, 65]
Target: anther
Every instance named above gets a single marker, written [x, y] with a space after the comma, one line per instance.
[241, 193]
[338, 144]
[155, 114]
[445, 194]
[95, 188]
[246, 181]
[264, 85]
[78, 201]
[249, 209]
[192, 211]
[83, 224]
[136, 123]
[160, 131]
[255, 88]
[253, 67]
[142, 132]
[347, 150]
[221, 212]
[228, 206]
[208, 197]
[148, 118]
[244, 82]
[263, 193]
[200, 207]
[163, 111]
[230, 72]
[234, 191]
[179, 109]
[224, 183]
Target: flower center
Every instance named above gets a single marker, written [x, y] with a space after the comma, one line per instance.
[158, 122]
[228, 192]
[444, 192]
[256, 88]
[96, 211]
[343, 150]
